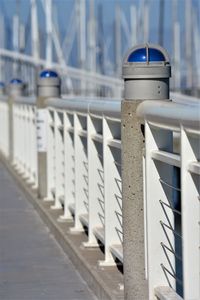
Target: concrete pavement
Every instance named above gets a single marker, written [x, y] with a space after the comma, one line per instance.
[32, 265]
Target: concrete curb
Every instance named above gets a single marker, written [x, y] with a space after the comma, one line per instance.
[104, 282]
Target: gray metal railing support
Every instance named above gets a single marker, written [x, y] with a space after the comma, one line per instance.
[48, 86]
[14, 90]
[146, 73]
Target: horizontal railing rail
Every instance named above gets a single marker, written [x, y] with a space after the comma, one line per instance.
[26, 100]
[184, 99]
[171, 114]
[96, 106]
[3, 98]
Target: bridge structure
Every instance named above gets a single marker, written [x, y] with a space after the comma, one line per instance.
[37, 41]
[123, 176]
[111, 166]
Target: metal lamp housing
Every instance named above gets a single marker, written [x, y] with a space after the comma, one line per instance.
[146, 72]
[49, 84]
[16, 87]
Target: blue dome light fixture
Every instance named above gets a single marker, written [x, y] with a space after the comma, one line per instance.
[148, 53]
[139, 55]
[155, 55]
[16, 81]
[48, 74]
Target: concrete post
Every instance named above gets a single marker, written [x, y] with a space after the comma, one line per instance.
[146, 72]
[48, 86]
[15, 89]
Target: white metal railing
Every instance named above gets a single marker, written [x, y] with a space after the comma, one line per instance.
[83, 163]
[84, 175]
[24, 135]
[24, 138]
[84, 178]
[4, 125]
[172, 137]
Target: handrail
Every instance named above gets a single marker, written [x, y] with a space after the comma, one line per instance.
[107, 107]
[184, 99]
[3, 98]
[26, 100]
[170, 114]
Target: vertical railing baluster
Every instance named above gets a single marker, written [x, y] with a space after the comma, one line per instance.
[94, 167]
[80, 145]
[155, 140]
[68, 135]
[190, 204]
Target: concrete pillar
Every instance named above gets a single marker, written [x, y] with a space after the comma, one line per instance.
[48, 86]
[146, 72]
[14, 90]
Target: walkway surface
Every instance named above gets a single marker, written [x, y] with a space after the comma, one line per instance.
[32, 265]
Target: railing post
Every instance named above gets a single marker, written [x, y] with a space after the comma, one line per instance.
[146, 73]
[48, 86]
[15, 89]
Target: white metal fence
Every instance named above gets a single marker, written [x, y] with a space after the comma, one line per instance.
[24, 139]
[83, 163]
[84, 177]
[172, 136]
[4, 121]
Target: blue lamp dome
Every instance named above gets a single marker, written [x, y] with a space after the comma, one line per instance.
[146, 54]
[16, 81]
[48, 74]
[138, 55]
